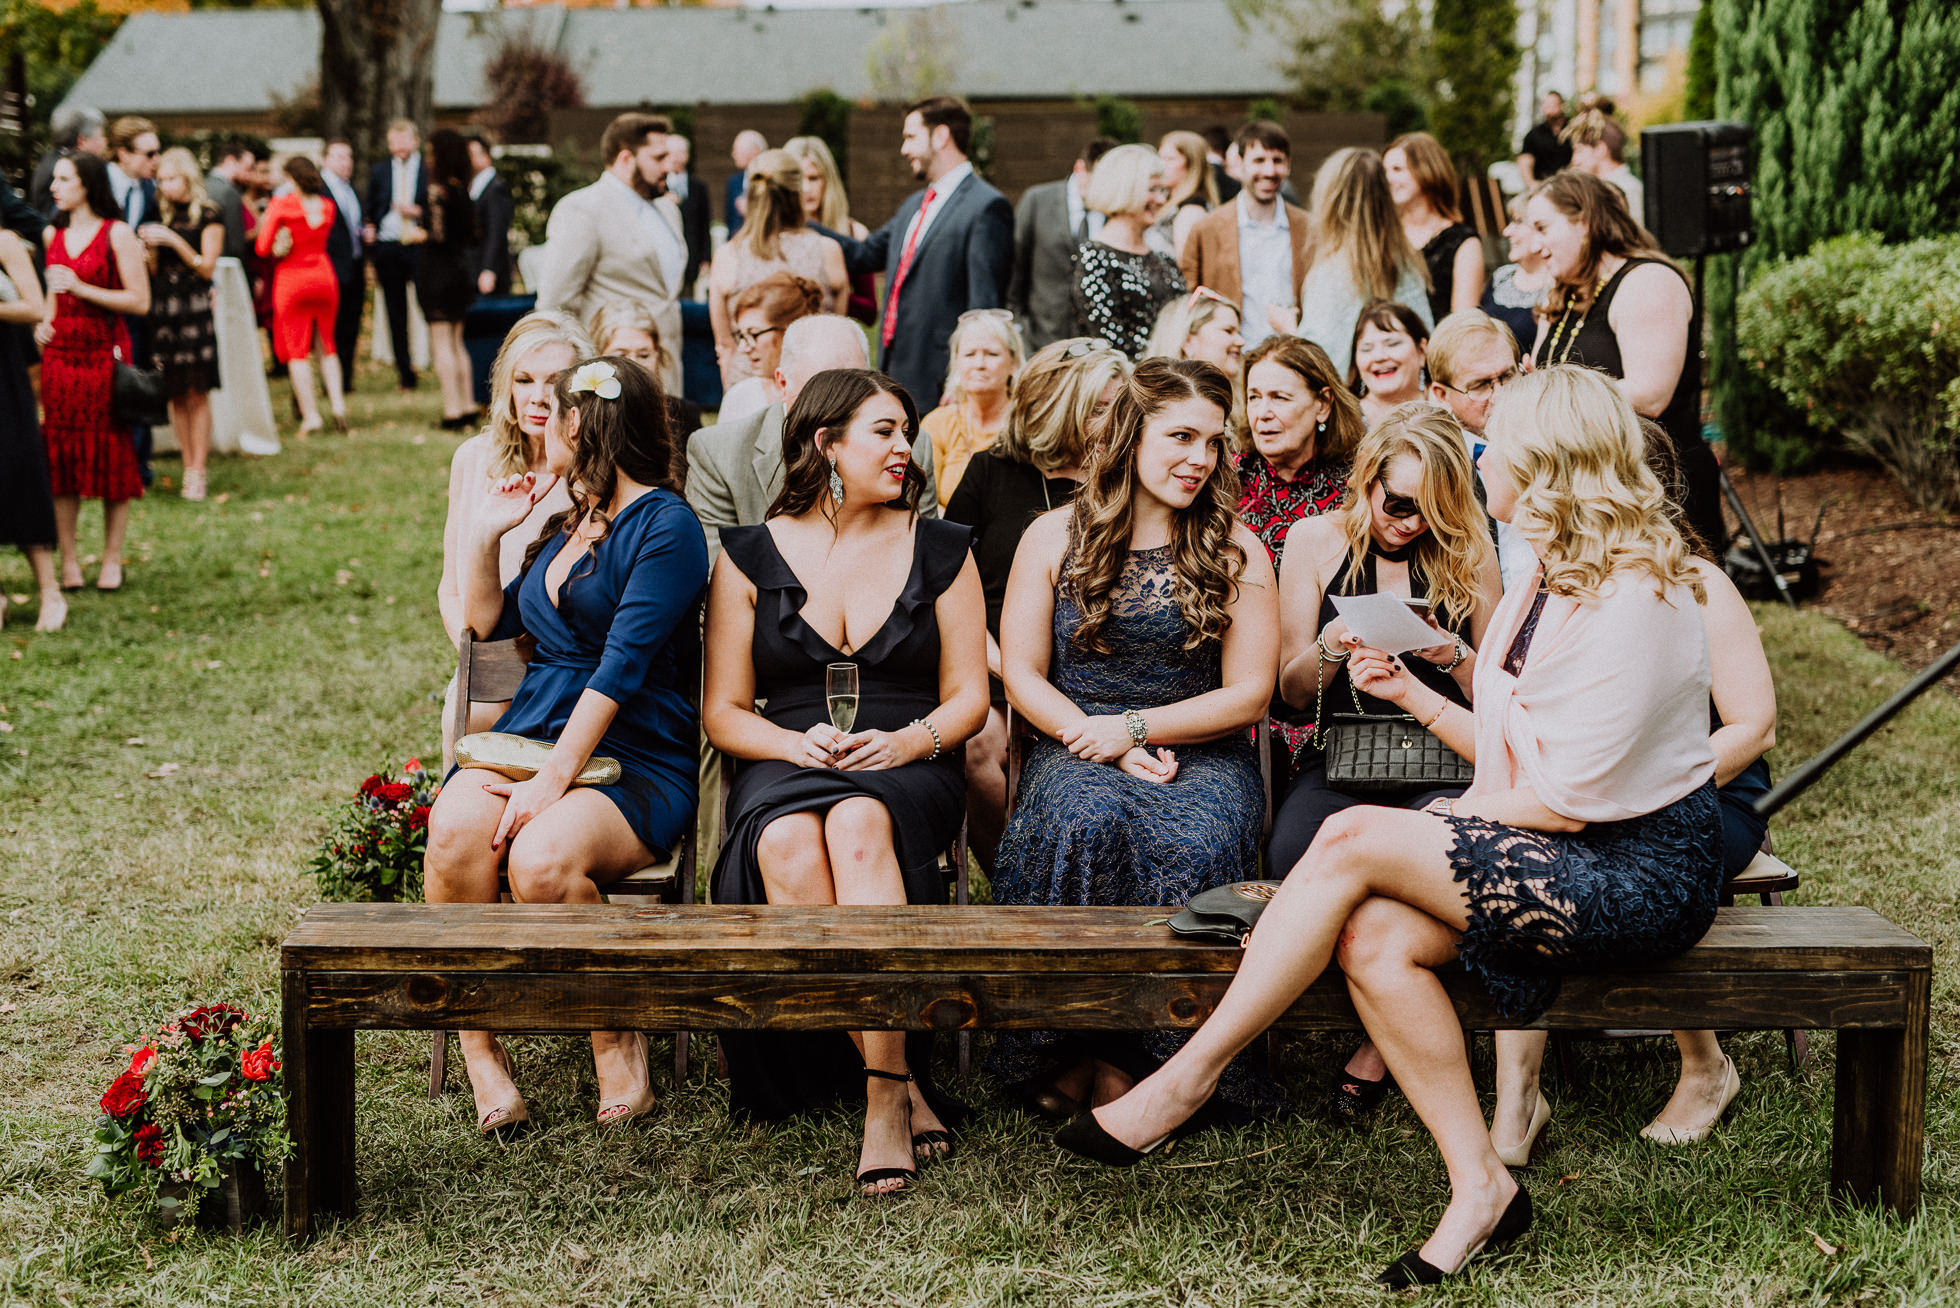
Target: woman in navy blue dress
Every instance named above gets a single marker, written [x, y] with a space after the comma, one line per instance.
[843, 570]
[610, 592]
[1140, 638]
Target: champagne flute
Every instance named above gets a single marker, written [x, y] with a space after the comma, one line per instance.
[841, 695]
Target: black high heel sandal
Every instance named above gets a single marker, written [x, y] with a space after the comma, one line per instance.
[1354, 1099]
[1412, 1269]
[909, 1175]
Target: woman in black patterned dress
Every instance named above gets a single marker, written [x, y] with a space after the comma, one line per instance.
[1121, 281]
[184, 250]
[1140, 639]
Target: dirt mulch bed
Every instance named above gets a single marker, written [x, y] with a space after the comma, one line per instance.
[1891, 569]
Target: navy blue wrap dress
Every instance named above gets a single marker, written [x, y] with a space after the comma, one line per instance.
[627, 624]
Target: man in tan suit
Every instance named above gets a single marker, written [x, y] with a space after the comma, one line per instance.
[1253, 251]
[620, 238]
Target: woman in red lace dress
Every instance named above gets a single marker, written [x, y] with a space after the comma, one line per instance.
[305, 294]
[95, 276]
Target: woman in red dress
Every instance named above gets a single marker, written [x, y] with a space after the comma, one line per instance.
[305, 294]
[95, 277]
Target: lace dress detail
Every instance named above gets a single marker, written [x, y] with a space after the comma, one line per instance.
[1089, 833]
[1543, 904]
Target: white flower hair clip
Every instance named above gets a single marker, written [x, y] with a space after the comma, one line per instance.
[598, 377]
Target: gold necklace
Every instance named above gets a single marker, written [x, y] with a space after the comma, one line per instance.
[1565, 322]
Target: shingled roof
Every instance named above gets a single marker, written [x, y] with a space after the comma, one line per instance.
[218, 61]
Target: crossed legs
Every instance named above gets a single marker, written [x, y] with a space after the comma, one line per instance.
[847, 856]
[1375, 884]
[564, 856]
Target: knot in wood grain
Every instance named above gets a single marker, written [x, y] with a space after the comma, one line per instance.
[1187, 1011]
[951, 1013]
[425, 991]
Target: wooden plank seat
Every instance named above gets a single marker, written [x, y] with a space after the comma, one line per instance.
[520, 967]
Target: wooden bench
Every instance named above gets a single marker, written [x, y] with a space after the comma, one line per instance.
[519, 967]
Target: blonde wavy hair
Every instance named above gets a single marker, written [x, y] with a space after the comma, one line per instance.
[1354, 220]
[1586, 499]
[1454, 549]
[1055, 398]
[1181, 319]
[1205, 561]
[995, 323]
[508, 454]
[181, 161]
[1198, 180]
[835, 211]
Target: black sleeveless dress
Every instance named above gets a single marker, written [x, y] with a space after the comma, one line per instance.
[1595, 345]
[1439, 256]
[1311, 801]
[774, 1076]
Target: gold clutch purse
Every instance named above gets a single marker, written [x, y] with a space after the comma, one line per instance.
[520, 758]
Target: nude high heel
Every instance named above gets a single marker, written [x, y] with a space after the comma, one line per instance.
[616, 1112]
[1671, 1135]
[1519, 1155]
[506, 1116]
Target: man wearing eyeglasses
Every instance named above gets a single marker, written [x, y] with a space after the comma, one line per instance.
[132, 176]
[1470, 358]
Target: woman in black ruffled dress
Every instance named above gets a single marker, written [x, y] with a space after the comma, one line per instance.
[843, 570]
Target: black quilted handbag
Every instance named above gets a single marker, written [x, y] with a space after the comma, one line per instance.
[1369, 754]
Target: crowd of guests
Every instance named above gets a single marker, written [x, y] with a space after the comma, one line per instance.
[1114, 556]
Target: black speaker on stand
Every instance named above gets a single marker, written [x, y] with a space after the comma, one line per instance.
[1698, 180]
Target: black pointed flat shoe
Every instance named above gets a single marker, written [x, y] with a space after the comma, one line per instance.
[1412, 1270]
[1084, 1135]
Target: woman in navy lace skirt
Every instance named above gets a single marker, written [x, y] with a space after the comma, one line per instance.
[1590, 837]
[1139, 638]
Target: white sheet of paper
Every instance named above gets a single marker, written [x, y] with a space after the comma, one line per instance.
[1386, 623]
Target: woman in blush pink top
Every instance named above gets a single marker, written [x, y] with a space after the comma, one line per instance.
[1589, 838]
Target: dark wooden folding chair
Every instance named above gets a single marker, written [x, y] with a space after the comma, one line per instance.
[488, 672]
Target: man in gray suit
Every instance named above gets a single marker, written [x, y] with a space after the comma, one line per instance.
[620, 238]
[1049, 223]
[735, 469]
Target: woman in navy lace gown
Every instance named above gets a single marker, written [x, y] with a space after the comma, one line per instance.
[1589, 838]
[843, 570]
[1139, 638]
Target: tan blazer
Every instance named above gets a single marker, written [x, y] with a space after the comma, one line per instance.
[596, 250]
[1211, 253]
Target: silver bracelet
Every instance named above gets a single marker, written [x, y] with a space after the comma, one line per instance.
[1138, 728]
[1321, 645]
[921, 722]
[1462, 652]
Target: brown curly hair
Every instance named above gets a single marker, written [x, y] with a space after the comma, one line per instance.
[629, 434]
[1205, 560]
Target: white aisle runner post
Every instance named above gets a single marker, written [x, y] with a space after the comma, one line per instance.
[241, 407]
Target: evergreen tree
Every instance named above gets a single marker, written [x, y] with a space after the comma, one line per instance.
[1473, 47]
[1856, 106]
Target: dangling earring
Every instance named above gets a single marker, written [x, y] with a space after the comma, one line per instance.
[836, 484]
[1320, 428]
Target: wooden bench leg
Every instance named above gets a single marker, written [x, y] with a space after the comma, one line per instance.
[438, 1062]
[1878, 1134]
[319, 1070]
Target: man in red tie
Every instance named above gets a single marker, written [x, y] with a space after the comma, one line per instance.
[949, 248]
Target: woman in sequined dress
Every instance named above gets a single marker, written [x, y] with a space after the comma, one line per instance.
[1121, 281]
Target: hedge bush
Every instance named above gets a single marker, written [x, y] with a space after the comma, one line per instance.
[1864, 339]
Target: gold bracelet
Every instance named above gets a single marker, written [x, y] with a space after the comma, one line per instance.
[1441, 709]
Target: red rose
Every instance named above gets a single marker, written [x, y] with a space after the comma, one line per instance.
[419, 818]
[258, 1064]
[413, 765]
[139, 1062]
[125, 1096]
[149, 1144]
[369, 786]
[395, 793]
[211, 1020]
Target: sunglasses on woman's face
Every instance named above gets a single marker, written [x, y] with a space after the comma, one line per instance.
[1398, 508]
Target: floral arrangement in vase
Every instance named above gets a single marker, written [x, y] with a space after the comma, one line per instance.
[200, 1108]
[373, 849]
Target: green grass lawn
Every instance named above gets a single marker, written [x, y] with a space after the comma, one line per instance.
[164, 768]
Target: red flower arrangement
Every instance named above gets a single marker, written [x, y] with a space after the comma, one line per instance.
[201, 1097]
[374, 848]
